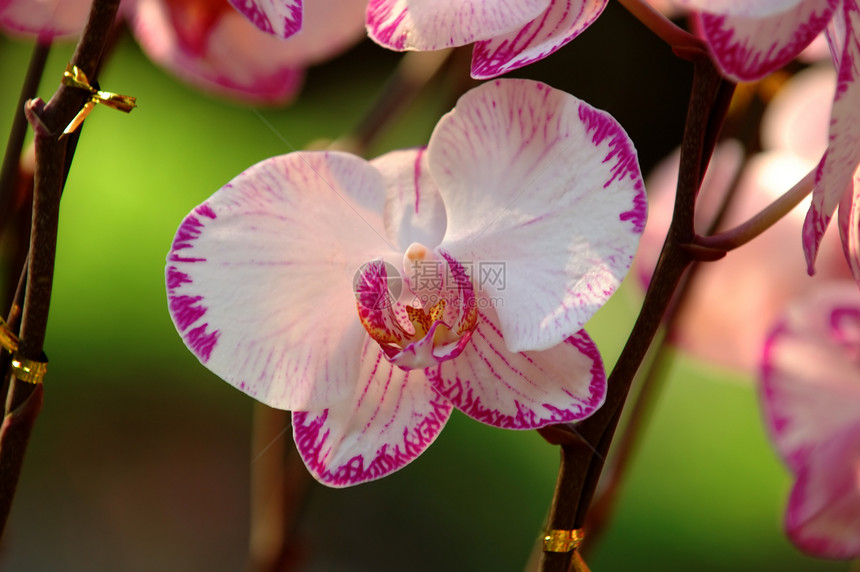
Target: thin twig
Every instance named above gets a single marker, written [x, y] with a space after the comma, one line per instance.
[773, 213]
[12, 155]
[683, 43]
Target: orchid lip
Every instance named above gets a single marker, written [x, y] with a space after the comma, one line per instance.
[430, 321]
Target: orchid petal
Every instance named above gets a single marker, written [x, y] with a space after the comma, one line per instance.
[414, 211]
[849, 228]
[556, 26]
[810, 374]
[823, 516]
[393, 416]
[227, 59]
[46, 19]
[545, 200]
[522, 390]
[435, 24]
[220, 51]
[836, 172]
[747, 48]
[329, 27]
[281, 18]
[259, 276]
[743, 8]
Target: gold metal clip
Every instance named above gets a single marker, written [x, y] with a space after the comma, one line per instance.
[28, 370]
[562, 540]
[75, 77]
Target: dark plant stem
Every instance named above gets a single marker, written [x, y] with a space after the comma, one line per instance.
[48, 120]
[581, 466]
[15, 143]
[279, 485]
[413, 74]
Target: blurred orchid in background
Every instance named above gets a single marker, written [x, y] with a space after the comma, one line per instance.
[209, 45]
[264, 278]
[752, 285]
[46, 19]
[811, 400]
[507, 35]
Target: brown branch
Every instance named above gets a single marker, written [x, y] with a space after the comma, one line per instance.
[48, 120]
[581, 466]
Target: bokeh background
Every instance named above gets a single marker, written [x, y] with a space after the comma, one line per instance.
[141, 458]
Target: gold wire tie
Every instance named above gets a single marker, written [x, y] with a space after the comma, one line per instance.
[28, 370]
[562, 540]
[75, 77]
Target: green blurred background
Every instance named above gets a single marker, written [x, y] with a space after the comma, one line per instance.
[140, 459]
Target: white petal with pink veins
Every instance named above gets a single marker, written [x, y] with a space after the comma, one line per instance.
[823, 516]
[545, 200]
[556, 26]
[811, 402]
[748, 48]
[281, 18]
[522, 390]
[811, 373]
[413, 210]
[836, 173]
[435, 24]
[260, 276]
[392, 417]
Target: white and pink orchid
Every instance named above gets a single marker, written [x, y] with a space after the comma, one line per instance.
[209, 45]
[811, 400]
[508, 34]
[281, 282]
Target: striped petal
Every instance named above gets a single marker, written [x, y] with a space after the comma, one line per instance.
[556, 26]
[281, 18]
[836, 173]
[524, 390]
[414, 211]
[260, 275]
[392, 417]
[823, 515]
[811, 401]
[436, 24]
[544, 198]
[747, 48]
[810, 383]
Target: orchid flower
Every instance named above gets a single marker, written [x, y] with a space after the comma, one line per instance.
[507, 34]
[752, 285]
[811, 400]
[47, 19]
[211, 46]
[370, 298]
